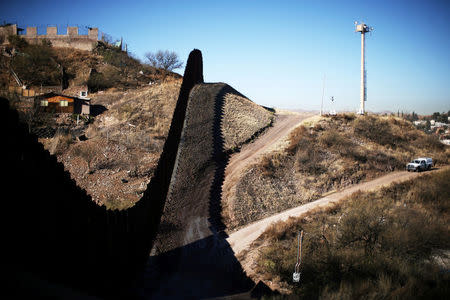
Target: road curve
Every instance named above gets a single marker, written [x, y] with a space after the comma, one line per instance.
[241, 239]
[284, 123]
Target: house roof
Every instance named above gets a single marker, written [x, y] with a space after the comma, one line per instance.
[54, 97]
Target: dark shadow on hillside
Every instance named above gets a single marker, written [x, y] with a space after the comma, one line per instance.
[220, 158]
[58, 242]
[97, 109]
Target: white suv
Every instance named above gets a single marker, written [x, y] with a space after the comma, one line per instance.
[420, 164]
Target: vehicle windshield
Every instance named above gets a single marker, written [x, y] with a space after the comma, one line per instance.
[416, 161]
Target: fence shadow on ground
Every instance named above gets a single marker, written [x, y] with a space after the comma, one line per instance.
[206, 267]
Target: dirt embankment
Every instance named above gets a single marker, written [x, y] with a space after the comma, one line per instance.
[218, 119]
[241, 239]
[326, 155]
[189, 252]
[251, 153]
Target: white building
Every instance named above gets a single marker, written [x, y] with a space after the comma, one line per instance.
[420, 122]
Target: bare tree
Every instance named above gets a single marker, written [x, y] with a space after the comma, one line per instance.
[166, 60]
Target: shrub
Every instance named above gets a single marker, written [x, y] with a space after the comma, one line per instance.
[61, 143]
[374, 129]
[270, 164]
[101, 81]
[340, 143]
[18, 42]
[36, 64]
[295, 137]
[116, 57]
[427, 141]
[87, 151]
[375, 244]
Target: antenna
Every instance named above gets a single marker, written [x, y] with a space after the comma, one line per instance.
[363, 28]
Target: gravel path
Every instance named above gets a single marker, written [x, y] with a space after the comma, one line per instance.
[284, 123]
[241, 239]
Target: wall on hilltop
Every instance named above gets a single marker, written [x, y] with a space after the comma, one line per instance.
[72, 39]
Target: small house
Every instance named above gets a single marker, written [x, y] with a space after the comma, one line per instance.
[56, 103]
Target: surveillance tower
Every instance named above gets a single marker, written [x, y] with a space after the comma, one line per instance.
[363, 28]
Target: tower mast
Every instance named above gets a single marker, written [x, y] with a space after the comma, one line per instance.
[363, 28]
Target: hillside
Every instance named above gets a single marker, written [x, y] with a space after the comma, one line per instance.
[113, 153]
[124, 143]
[389, 244]
[324, 155]
[45, 68]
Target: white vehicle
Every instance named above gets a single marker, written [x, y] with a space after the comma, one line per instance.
[420, 164]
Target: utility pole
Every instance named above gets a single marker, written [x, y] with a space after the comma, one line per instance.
[323, 92]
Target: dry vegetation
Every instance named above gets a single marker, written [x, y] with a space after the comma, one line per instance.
[242, 118]
[105, 67]
[123, 144]
[389, 244]
[329, 155]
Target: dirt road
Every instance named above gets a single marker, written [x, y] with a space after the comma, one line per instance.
[284, 123]
[241, 239]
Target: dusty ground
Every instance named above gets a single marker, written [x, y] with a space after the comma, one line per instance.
[243, 241]
[284, 123]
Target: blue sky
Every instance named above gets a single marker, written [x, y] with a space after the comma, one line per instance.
[277, 52]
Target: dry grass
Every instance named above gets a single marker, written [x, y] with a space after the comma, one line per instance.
[330, 155]
[374, 245]
[241, 119]
[116, 151]
[126, 140]
[148, 110]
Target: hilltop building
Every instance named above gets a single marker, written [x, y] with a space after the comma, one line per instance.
[72, 39]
